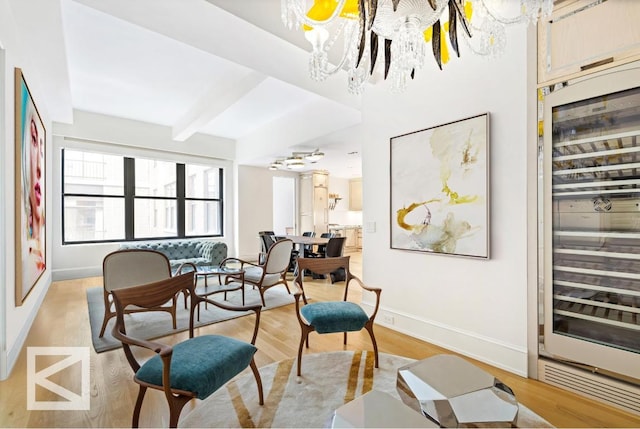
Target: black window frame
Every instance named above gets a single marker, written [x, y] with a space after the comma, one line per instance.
[129, 198]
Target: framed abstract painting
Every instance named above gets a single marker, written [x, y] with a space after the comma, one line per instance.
[30, 238]
[440, 189]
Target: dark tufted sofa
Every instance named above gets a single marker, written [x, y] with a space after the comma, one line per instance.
[196, 251]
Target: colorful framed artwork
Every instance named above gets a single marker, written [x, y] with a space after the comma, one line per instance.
[440, 189]
[30, 157]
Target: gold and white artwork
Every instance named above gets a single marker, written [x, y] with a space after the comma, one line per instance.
[439, 189]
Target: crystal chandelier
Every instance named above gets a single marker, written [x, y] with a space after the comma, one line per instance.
[395, 35]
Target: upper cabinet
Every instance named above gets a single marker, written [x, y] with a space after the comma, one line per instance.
[355, 194]
[320, 179]
[585, 36]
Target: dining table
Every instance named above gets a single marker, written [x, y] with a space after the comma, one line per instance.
[304, 240]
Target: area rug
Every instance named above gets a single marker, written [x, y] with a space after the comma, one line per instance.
[328, 381]
[156, 324]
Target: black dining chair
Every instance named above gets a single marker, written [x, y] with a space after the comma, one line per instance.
[307, 248]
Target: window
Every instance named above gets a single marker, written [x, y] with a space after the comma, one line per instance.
[115, 198]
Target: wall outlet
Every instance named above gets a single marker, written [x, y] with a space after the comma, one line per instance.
[387, 318]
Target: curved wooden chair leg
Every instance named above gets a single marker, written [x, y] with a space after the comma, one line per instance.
[261, 290]
[287, 286]
[175, 408]
[107, 314]
[174, 307]
[136, 411]
[369, 327]
[303, 338]
[256, 374]
[345, 338]
[104, 325]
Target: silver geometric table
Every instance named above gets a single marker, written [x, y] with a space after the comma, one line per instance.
[456, 393]
[377, 409]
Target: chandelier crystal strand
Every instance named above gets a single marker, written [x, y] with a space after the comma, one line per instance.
[403, 30]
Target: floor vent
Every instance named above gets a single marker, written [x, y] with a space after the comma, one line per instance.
[616, 393]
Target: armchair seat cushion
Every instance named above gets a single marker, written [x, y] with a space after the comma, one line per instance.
[335, 316]
[254, 274]
[218, 358]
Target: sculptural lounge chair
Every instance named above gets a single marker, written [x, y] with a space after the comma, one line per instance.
[272, 272]
[326, 317]
[193, 368]
[129, 267]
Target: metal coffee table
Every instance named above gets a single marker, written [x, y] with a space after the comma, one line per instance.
[455, 393]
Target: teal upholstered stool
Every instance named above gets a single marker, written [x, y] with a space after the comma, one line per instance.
[332, 316]
[194, 368]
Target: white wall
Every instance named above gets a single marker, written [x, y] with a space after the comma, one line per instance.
[255, 207]
[341, 215]
[16, 321]
[476, 307]
[101, 133]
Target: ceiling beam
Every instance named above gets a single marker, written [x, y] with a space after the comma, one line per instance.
[212, 29]
[213, 103]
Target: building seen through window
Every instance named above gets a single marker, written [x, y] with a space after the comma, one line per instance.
[113, 198]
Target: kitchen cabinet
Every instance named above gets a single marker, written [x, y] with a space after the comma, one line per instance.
[585, 36]
[314, 202]
[355, 194]
[352, 234]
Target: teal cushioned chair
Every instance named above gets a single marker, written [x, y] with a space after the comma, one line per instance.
[332, 316]
[193, 368]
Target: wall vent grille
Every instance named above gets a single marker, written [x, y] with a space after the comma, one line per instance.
[595, 386]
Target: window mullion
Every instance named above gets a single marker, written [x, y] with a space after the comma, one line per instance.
[129, 197]
[180, 195]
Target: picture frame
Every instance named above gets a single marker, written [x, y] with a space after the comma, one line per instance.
[30, 191]
[439, 181]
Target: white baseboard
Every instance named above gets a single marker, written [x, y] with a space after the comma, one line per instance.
[76, 273]
[14, 352]
[487, 350]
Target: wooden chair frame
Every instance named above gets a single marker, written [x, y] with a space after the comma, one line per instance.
[262, 289]
[151, 296]
[326, 266]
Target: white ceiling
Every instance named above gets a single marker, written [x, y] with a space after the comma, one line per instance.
[225, 68]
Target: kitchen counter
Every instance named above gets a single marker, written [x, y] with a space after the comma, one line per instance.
[353, 233]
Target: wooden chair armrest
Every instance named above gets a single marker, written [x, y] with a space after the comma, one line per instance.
[296, 295]
[184, 264]
[255, 308]
[159, 348]
[375, 290]
[242, 262]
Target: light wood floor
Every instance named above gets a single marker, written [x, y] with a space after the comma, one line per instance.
[63, 321]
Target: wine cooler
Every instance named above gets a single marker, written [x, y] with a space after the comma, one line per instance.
[591, 224]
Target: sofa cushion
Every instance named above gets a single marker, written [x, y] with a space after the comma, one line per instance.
[196, 251]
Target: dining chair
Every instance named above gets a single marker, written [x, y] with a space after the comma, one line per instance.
[267, 239]
[193, 368]
[271, 272]
[322, 248]
[129, 267]
[307, 248]
[326, 317]
[333, 248]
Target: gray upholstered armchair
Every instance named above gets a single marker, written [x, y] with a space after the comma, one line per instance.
[272, 272]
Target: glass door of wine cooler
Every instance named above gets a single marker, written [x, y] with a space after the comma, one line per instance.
[591, 208]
